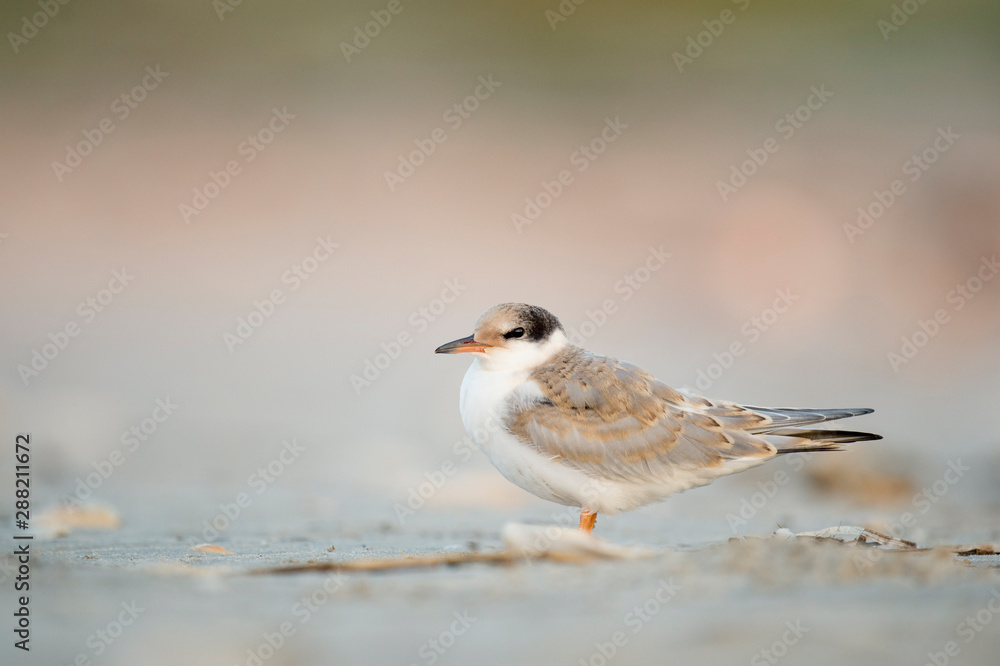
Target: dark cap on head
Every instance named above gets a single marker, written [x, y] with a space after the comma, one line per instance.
[539, 323]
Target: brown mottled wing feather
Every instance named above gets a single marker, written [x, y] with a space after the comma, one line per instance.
[613, 420]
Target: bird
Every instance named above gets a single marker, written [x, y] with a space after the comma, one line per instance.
[590, 431]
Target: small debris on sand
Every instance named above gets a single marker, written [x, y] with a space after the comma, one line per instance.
[569, 545]
[211, 548]
[565, 544]
[860, 535]
[59, 521]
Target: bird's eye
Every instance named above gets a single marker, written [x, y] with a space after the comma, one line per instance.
[516, 333]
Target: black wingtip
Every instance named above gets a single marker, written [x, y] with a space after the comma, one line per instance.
[822, 437]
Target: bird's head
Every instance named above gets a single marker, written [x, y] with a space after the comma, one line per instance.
[512, 336]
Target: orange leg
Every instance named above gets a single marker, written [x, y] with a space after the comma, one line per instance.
[587, 520]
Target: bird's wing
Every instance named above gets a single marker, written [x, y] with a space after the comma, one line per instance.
[613, 420]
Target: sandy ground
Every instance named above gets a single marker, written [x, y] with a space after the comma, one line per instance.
[711, 599]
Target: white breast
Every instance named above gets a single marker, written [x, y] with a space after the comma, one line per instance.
[486, 399]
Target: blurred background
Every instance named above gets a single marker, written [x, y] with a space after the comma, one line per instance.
[233, 233]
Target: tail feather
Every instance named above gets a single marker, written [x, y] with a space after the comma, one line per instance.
[784, 418]
[795, 440]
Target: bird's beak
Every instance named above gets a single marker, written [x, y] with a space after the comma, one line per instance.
[462, 345]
